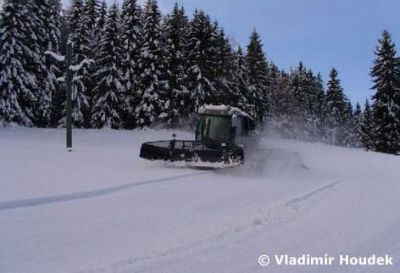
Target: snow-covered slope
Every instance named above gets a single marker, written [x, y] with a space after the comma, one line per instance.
[102, 209]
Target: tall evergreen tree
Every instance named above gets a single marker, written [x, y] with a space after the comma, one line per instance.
[153, 85]
[108, 99]
[258, 71]
[80, 39]
[59, 97]
[314, 111]
[176, 30]
[16, 81]
[282, 97]
[357, 120]
[337, 108]
[320, 109]
[299, 104]
[90, 15]
[386, 107]
[240, 90]
[101, 17]
[224, 69]
[366, 131]
[201, 70]
[350, 136]
[131, 40]
[47, 26]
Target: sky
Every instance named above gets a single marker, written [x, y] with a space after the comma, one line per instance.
[320, 33]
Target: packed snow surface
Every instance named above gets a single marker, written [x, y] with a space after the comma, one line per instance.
[103, 209]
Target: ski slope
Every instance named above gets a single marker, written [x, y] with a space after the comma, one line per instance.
[103, 209]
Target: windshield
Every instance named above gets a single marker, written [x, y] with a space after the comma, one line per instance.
[213, 129]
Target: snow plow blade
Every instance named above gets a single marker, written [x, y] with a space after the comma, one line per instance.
[194, 153]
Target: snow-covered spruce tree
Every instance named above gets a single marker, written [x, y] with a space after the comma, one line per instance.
[310, 105]
[386, 110]
[279, 82]
[314, 94]
[357, 119]
[90, 15]
[281, 97]
[16, 81]
[299, 109]
[59, 97]
[336, 104]
[35, 61]
[366, 130]
[108, 98]
[273, 75]
[224, 72]
[101, 17]
[259, 83]
[90, 9]
[47, 25]
[153, 84]
[319, 109]
[350, 137]
[131, 40]
[176, 30]
[241, 92]
[201, 70]
[80, 39]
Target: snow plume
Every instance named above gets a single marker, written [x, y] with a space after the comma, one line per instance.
[290, 127]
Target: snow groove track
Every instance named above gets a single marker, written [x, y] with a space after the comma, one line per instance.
[314, 192]
[33, 202]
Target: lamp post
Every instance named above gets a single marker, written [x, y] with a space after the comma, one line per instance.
[69, 72]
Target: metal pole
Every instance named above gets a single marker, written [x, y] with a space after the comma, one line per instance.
[68, 87]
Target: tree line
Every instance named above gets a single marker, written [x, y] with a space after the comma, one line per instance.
[151, 69]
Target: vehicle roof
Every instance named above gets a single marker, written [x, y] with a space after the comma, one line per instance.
[222, 110]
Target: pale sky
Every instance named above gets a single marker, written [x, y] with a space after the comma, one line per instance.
[322, 34]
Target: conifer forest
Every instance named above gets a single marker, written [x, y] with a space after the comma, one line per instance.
[136, 68]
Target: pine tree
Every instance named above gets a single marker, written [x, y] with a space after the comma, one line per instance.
[307, 93]
[320, 109]
[90, 15]
[337, 108]
[59, 97]
[357, 120]
[258, 71]
[366, 131]
[224, 69]
[299, 105]
[240, 90]
[315, 111]
[281, 97]
[176, 30]
[153, 85]
[131, 40]
[16, 81]
[201, 70]
[47, 27]
[350, 135]
[90, 12]
[108, 99]
[101, 17]
[386, 107]
[80, 39]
